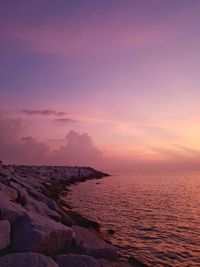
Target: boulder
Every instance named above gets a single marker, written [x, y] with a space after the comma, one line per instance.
[27, 260]
[88, 243]
[106, 263]
[4, 234]
[10, 192]
[39, 234]
[5, 176]
[9, 210]
[22, 193]
[72, 260]
[40, 197]
[41, 208]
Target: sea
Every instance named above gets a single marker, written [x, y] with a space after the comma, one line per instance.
[155, 214]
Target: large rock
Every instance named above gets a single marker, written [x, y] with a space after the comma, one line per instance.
[4, 234]
[27, 260]
[5, 176]
[41, 208]
[89, 244]
[39, 234]
[106, 263]
[9, 210]
[10, 192]
[72, 260]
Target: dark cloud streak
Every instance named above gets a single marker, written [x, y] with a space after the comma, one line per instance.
[44, 112]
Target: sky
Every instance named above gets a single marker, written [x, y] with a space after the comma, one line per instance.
[109, 84]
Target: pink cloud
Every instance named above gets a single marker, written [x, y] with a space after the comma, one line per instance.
[79, 149]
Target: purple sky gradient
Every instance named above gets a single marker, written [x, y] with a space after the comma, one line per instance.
[125, 72]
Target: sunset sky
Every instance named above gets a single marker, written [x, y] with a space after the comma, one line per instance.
[108, 83]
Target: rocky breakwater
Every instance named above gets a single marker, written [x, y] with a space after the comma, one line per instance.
[37, 227]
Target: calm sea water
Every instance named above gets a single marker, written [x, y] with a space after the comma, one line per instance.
[156, 215]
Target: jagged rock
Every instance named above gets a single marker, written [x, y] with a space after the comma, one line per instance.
[27, 260]
[72, 260]
[10, 192]
[4, 234]
[88, 243]
[39, 234]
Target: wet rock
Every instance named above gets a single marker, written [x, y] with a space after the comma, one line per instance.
[106, 263]
[82, 221]
[111, 231]
[88, 243]
[66, 220]
[72, 260]
[39, 234]
[27, 260]
[134, 262]
[4, 234]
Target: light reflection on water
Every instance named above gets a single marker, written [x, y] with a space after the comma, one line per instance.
[156, 215]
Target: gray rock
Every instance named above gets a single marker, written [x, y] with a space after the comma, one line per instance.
[4, 234]
[22, 193]
[41, 208]
[4, 175]
[72, 260]
[9, 210]
[40, 197]
[88, 243]
[39, 234]
[27, 260]
[10, 192]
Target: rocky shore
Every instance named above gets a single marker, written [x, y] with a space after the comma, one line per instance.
[38, 228]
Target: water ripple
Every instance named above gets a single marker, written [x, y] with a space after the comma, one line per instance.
[155, 215]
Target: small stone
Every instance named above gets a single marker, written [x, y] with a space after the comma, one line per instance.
[111, 231]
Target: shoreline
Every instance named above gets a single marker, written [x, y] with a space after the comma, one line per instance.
[34, 219]
[82, 220]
